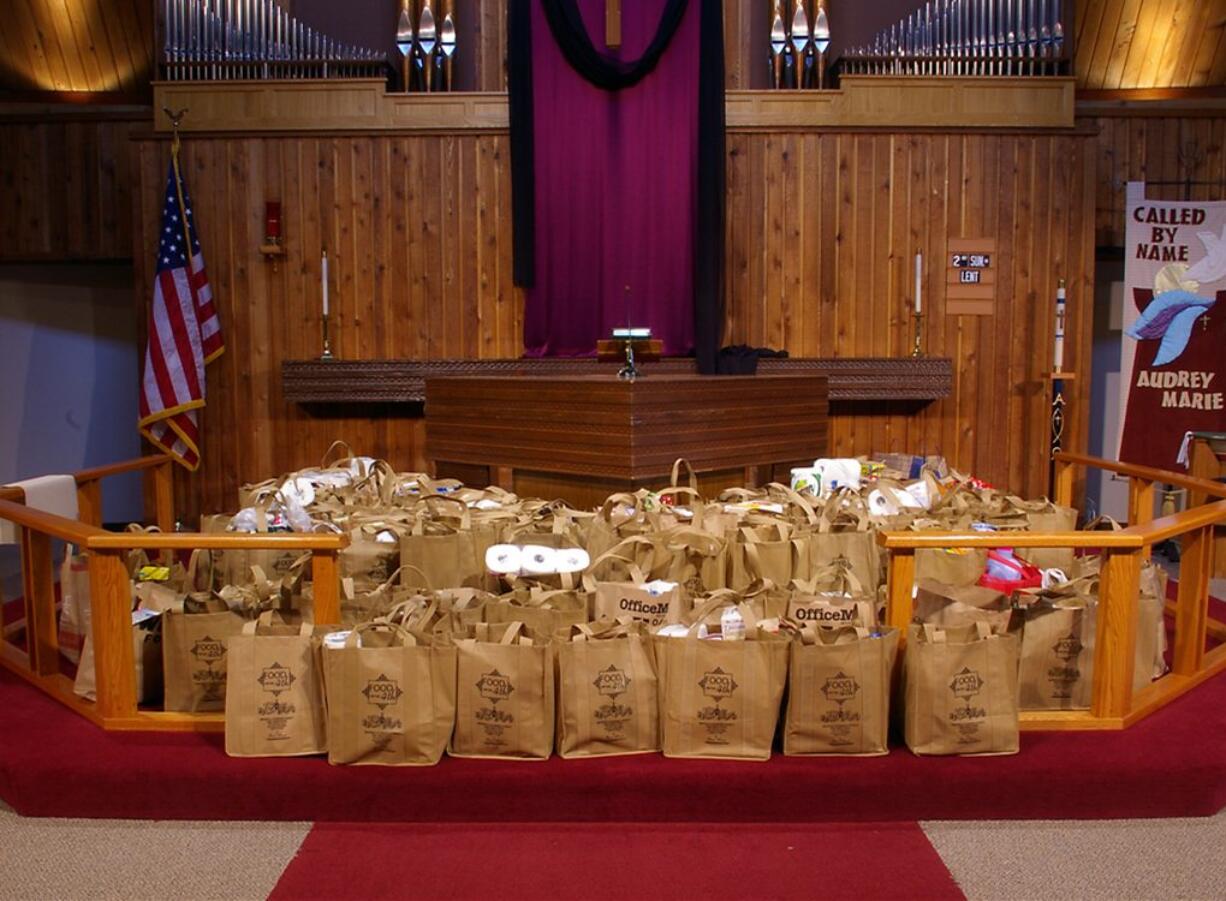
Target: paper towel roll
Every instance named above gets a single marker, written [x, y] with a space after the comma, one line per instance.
[838, 472]
[538, 560]
[504, 559]
[573, 560]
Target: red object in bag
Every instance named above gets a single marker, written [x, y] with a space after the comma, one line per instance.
[1023, 574]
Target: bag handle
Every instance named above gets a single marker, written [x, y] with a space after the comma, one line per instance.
[677, 464]
[409, 566]
[323, 461]
[590, 574]
[513, 631]
[380, 625]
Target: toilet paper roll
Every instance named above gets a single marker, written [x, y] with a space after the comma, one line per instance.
[881, 504]
[573, 560]
[539, 560]
[300, 490]
[504, 559]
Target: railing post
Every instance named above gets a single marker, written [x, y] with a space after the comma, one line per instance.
[900, 582]
[1116, 638]
[1140, 504]
[1192, 605]
[89, 502]
[111, 626]
[163, 496]
[325, 583]
[42, 643]
[1064, 483]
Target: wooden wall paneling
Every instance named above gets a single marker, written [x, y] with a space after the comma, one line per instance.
[735, 260]
[470, 244]
[881, 327]
[773, 302]
[1144, 34]
[1113, 76]
[822, 229]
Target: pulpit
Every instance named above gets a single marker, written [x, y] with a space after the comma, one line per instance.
[581, 438]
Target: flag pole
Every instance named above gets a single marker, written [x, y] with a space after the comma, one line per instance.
[175, 118]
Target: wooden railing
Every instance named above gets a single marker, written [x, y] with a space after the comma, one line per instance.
[1113, 704]
[111, 593]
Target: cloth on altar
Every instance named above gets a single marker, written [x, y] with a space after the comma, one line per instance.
[52, 494]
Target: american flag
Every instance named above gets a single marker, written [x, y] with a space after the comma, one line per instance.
[184, 333]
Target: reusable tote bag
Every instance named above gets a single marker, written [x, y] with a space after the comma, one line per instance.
[721, 698]
[274, 706]
[607, 700]
[960, 690]
[390, 696]
[504, 694]
[839, 691]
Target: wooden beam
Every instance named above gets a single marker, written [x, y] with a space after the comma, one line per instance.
[1192, 605]
[110, 594]
[42, 644]
[1115, 654]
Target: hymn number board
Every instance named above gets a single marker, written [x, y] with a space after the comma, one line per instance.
[970, 277]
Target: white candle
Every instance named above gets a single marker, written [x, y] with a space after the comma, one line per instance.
[919, 279]
[324, 278]
[1059, 354]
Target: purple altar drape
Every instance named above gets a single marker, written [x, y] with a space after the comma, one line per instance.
[615, 182]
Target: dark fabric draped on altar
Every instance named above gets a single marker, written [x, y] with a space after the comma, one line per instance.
[618, 173]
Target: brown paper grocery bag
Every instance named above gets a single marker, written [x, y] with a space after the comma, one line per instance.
[961, 605]
[960, 690]
[194, 654]
[839, 691]
[1057, 662]
[607, 689]
[951, 566]
[721, 698]
[834, 597]
[390, 697]
[504, 694]
[627, 597]
[274, 702]
[540, 610]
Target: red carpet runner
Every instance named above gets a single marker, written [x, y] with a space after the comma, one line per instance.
[617, 861]
[54, 763]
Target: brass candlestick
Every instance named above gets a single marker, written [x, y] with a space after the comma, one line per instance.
[919, 319]
[327, 354]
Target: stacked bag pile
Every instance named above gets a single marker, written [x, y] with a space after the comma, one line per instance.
[479, 624]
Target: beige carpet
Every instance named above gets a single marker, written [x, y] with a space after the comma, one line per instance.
[131, 859]
[1119, 860]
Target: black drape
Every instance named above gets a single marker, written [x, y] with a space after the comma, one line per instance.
[566, 25]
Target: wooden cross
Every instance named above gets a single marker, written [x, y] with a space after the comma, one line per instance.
[613, 23]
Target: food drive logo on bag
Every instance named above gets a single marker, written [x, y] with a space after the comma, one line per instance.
[382, 692]
[494, 687]
[965, 685]
[840, 688]
[276, 713]
[612, 682]
[209, 651]
[717, 685]
[1064, 677]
